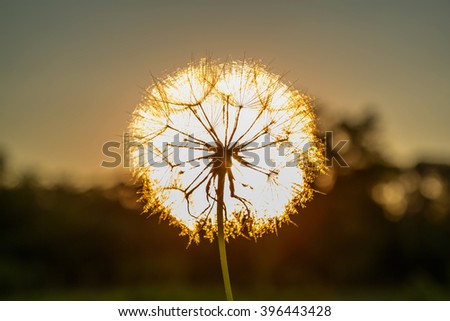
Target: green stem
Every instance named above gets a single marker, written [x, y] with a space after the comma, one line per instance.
[221, 236]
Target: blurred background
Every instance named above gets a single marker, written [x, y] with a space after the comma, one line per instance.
[72, 73]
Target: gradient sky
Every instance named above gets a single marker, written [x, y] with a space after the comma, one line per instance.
[71, 72]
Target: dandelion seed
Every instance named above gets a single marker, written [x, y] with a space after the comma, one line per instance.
[233, 150]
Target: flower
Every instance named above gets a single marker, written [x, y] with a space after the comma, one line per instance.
[231, 128]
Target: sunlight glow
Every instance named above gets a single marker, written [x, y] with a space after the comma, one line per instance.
[235, 115]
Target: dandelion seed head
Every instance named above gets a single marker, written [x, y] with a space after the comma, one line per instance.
[235, 115]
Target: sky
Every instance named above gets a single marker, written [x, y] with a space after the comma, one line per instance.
[72, 72]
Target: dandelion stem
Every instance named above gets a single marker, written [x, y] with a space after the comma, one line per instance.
[221, 236]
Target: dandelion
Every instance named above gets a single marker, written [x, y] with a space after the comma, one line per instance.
[224, 149]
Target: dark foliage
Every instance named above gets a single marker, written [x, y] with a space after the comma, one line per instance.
[59, 243]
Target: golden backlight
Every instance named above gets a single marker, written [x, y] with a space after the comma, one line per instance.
[234, 119]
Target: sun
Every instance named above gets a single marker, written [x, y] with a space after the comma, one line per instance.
[230, 133]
